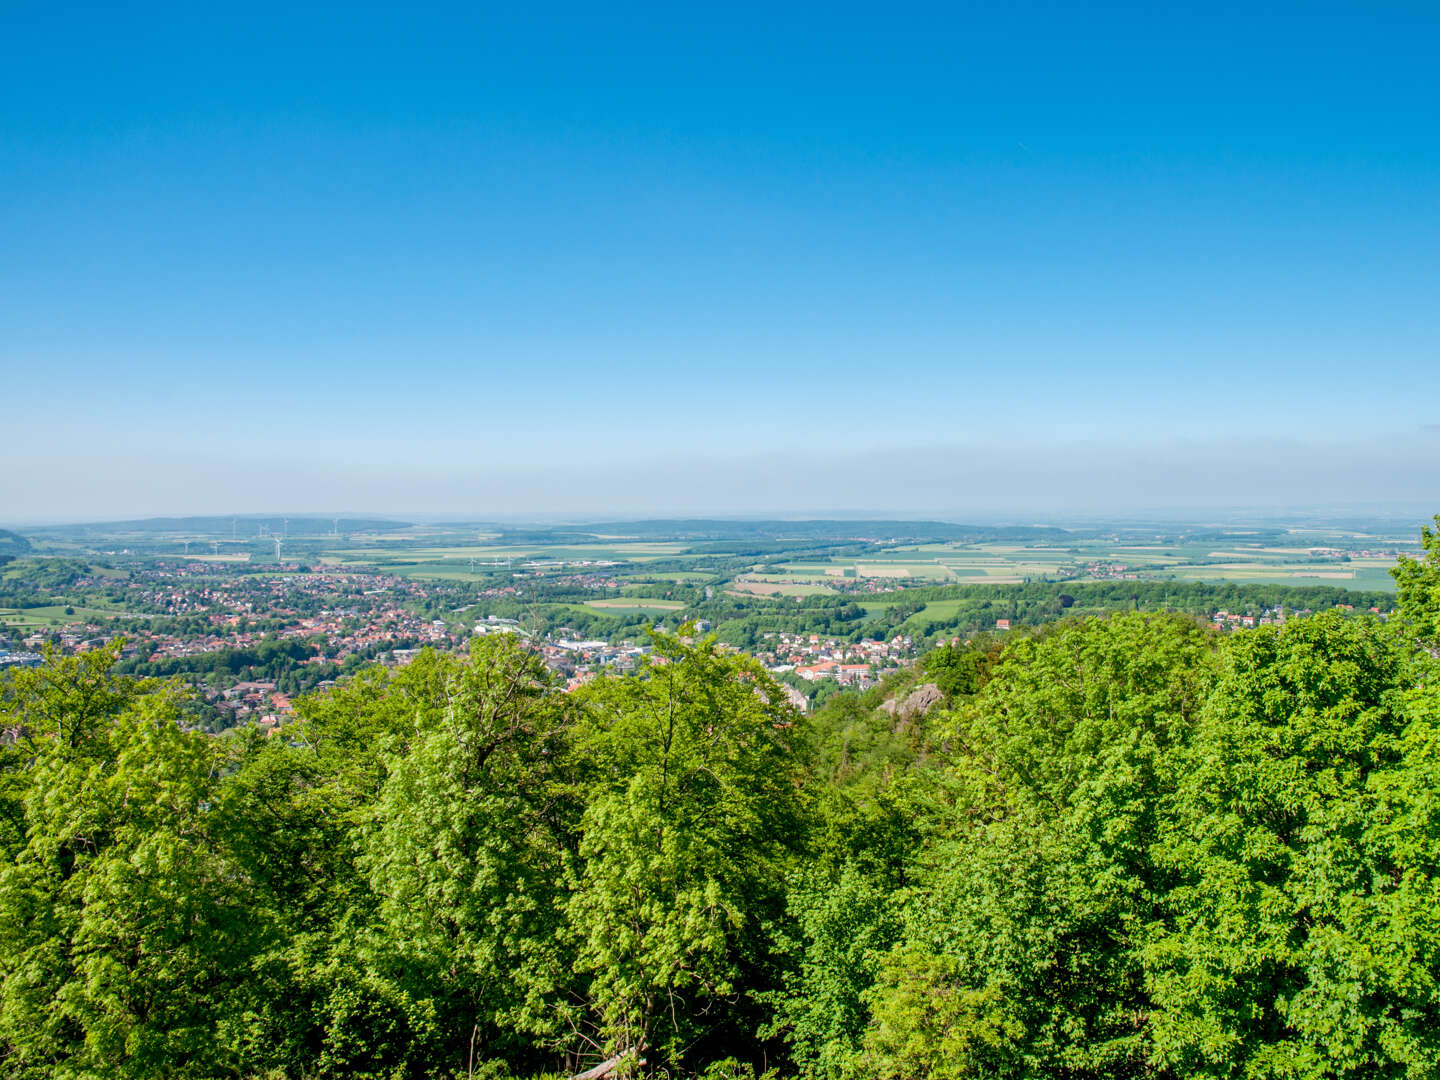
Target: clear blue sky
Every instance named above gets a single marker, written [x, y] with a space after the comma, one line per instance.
[490, 258]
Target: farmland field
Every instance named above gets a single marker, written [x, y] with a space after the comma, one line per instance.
[623, 606]
[758, 587]
[53, 615]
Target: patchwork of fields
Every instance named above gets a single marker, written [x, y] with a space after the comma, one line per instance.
[999, 564]
[605, 583]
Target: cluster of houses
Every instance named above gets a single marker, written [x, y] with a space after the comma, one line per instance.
[1108, 571]
[1387, 554]
[371, 613]
[1276, 616]
[857, 663]
[259, 701]
[578, 661]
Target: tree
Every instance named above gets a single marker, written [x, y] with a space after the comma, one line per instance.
[466, 854]
[123, 926]
[694, 815]
[69, 700]
[354, 835]
[845, 922]
[1301, 932]
[1417, 582]
[1027, 934]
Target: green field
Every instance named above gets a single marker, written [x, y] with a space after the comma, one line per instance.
[471, 561]
[937, 611]
[53, 615]
[1360, 577]
[639, 607]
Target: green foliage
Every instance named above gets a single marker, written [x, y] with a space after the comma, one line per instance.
[844, 924]
[692, 818]
[1302, 932]
[959, 671]
[1123, 847]
[44, 573]
[929, 1021]
[125, 927]
[1418, 586]
[1034, 907]
[467, 847]
[854, 742]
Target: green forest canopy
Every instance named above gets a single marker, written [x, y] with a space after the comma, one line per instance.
[1125, 846]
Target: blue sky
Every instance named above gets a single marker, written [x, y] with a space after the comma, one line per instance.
[445, 260]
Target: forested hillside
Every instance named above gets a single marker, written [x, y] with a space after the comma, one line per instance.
[1117, 847]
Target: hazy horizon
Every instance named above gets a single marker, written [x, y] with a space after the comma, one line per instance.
[1078, 481]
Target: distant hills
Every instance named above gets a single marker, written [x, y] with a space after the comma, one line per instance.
[12, 544]
[241, 525]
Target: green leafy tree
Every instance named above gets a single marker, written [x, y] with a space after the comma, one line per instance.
[1027, 933]
[286, 815]
[466, 854]
[371, 835]
[930, 1020]
[1418, 585]
[123, 926]
[844, 924]
[694, 815]
[1302, 933]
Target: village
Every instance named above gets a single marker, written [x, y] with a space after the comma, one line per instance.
[251, 642]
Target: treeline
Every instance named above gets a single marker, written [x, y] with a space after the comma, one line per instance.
[1195, 597]
[969, 609]
[31, 582]
[783, 551]
[268, 658]
[12, 545]
[287, 662]
[1119, 847]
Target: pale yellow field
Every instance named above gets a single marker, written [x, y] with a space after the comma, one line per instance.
[636, 602]
[892, 570]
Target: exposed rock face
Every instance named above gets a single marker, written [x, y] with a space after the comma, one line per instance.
[916, 703]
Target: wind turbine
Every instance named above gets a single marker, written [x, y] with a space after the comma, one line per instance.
[277, 549]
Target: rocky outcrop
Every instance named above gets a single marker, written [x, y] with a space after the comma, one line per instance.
[915, 704]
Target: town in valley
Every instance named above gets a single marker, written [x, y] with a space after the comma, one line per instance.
[256, 611]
